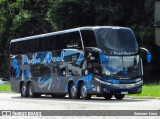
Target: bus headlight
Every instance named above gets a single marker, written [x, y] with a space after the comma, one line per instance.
[103, 82]
[137, 80]
[139, 83]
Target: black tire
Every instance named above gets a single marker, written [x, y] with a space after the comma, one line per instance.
[108, 96]
[73, 92]
[119, 96]
[24, 90]
[84, 93]
[31, 90]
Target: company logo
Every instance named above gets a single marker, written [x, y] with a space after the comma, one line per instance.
[47, 59]
[6, 113]
[21, 113]
[123, 86]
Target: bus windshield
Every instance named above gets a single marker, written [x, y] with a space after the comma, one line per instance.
[116, 39]
[121, 66]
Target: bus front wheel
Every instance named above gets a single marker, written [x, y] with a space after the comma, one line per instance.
[119, 96]
[84, 92]
[24, 90]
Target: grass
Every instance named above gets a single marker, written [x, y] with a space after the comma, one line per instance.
[150, 91]
[5, 88]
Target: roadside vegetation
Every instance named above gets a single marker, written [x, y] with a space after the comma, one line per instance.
[5, 88]
[149, 91]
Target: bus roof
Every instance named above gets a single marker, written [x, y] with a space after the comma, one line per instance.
[66, 31]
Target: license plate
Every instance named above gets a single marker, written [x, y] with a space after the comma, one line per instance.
[124, 92]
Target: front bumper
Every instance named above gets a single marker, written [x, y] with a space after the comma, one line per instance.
[115, 90]
[133, 86]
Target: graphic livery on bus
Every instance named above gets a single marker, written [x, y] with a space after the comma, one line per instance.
[81, 62]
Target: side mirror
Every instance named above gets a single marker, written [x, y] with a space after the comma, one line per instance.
[149, 56]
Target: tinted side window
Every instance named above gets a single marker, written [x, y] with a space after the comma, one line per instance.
[89, 39]
[65, 40]
[13, 48]
[39, 45]
[30, 46]
[74, 40]
[19, 47]
[52, 42]
[22, 47]
[60, 41]
[46, 43]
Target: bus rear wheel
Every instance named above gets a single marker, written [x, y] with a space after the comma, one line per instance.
[84, 92]
[73, 92]
[119, 96]
[31, 90]
[108, 96]
[24, 90]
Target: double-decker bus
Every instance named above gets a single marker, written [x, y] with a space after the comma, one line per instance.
[81, 62]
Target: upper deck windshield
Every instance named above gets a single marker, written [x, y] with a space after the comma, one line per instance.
[121, 66]
[120, 39]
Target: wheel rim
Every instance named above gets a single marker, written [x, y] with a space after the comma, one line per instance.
[23, 89]
[73, 90]
[84, 91]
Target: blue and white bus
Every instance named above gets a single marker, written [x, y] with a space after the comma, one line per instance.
[81, 62]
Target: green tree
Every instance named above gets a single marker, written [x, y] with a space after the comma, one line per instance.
[20, 18]
[5, 22]
[65, 14]
[30, 17]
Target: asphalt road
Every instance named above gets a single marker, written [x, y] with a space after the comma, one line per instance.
[13, 101]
